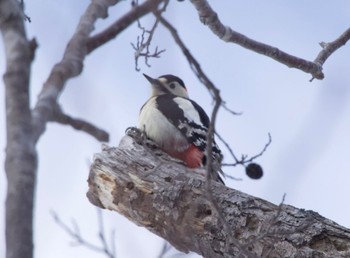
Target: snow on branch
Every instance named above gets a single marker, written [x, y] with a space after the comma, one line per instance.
[168, 199]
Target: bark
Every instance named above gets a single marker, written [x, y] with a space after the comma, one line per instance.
[47, 108]
[20, 163]
[171, 201]
[211, 19]
[25, 126]
[121, 24]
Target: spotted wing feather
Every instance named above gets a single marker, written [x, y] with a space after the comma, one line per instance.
[190, 119]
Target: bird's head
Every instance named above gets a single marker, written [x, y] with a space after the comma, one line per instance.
[167, 84]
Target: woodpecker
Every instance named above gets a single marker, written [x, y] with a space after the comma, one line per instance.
[177, 124]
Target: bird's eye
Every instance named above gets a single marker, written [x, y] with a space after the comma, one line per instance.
[172, 85]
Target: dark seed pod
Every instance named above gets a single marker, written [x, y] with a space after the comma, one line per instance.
[254, 171]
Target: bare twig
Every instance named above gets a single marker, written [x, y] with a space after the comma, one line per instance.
[329, 48]
[244, 159]
[210, 18]
[111, 252]
[168, 251]
[203, 78]
[194, 65]
[215, 93]
[26, 17]
[74, 232]
[121, 24]
[70, 66]
[196, 68]
[143, 44]
[165, 249]
[228, 147]
[79, 124]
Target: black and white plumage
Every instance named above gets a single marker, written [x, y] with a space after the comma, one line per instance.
[176, 123]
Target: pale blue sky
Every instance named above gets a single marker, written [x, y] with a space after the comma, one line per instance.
[309, 122]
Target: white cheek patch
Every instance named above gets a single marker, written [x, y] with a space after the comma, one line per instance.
[190, 111]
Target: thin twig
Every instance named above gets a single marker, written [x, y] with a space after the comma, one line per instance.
[101, 234]
[25, 16]
[194, 65]
[165, 249]
[215, 93]
[143, 44]
[121, 24]
[330, 47]
[261, 152]
[70, 66]
[228, 147]
[79, 124]
[244, 159]
[79, 239]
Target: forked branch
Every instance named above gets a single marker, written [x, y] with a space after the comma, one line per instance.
[105, 248]
[211, 19]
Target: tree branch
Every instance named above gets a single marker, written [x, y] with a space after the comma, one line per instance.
[71, 65]
[331, 47]
[113, 30]
[74, 232]
[215, 93]
[21, 156]
[81, 125]
[210, 18]
[170, 201]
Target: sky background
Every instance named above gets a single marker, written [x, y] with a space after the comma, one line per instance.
[309, 122]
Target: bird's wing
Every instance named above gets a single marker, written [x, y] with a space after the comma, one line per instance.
[190, 119]
[187, 116]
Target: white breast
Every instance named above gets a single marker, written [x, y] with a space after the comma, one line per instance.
[159, 129]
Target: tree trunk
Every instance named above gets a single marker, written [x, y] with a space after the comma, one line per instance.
[172, 202]
[20, 163]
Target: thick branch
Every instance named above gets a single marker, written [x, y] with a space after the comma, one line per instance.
[210, 18]
[171, 201]
[20, 162]
[71, 65]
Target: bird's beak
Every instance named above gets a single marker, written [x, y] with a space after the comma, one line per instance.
[156, 84]
[150, 79]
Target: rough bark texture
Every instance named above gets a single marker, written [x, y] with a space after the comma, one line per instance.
[24, 126]
[171, 201]
[20, 163]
